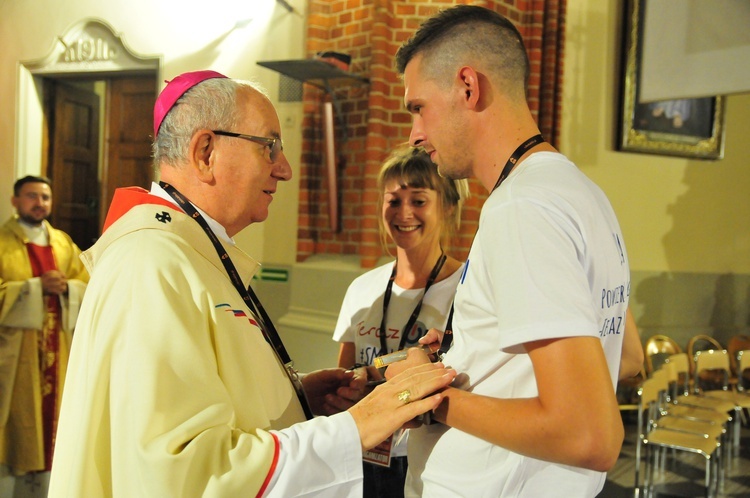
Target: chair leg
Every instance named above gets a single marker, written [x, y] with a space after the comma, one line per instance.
[636, 488]
[723, 468]
[737, 427]
[648, 473]
[719, 472]
[723, 463]
[657, 455]
[709, 481]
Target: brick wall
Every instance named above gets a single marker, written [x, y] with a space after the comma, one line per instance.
[373, 118]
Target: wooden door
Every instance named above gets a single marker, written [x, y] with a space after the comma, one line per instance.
[73, 162]
[130, 104]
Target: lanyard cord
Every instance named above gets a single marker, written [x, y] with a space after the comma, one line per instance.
[520, 150]
[445, 344]
[248, 295]
[414, 314]
[532, 142]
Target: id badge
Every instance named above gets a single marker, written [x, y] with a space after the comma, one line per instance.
[381, 454]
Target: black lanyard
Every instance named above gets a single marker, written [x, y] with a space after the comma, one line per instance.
[445, 344]
[520, 150]
[414, 314]
[248, 296]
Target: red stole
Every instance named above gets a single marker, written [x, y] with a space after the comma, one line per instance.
[43, 260]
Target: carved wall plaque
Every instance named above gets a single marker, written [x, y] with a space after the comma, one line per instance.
[91, 46]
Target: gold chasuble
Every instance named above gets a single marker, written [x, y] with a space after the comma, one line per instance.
[35, 336]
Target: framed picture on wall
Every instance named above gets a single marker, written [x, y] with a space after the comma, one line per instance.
[682, 127]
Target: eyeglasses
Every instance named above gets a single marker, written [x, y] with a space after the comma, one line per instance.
[274, 145]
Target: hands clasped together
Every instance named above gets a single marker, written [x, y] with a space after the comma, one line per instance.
[414, 390]
[54, 282]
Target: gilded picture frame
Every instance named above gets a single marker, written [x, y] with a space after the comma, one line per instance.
[691, 128]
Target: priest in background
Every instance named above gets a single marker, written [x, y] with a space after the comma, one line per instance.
[42, 281]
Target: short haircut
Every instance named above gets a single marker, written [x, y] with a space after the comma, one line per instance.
[412, 167]
[211, 104]
[29, 179]
[468, 34]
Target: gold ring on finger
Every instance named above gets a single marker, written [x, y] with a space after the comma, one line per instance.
[405, 396]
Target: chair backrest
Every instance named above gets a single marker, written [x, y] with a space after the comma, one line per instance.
[657, 349]
[736, 344]
[672, 379]
[650, 395]
[700, 342]
[711, 360]
[743, 364]
[680, 365]
[650, 390]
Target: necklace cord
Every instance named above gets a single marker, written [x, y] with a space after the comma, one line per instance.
[513, 159]
[414, 314]
[248, 296]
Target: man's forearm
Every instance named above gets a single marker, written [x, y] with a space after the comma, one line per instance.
[574, 419]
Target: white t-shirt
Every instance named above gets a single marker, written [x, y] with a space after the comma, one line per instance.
[362, 311]
[548, 261]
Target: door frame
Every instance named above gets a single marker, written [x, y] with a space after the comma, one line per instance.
[89, 49]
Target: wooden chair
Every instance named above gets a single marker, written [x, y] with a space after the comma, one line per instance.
[743, 376]
[653, 439]
[736, 344]
[743, 370]
[682, 402]
[657, 349]
[679, 392]
[627, 390]
[680, 364]
[718, 361]
[701, 342]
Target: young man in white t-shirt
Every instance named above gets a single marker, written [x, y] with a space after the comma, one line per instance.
[540, 310]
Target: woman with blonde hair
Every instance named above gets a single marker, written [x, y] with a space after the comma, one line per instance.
[390, 307]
